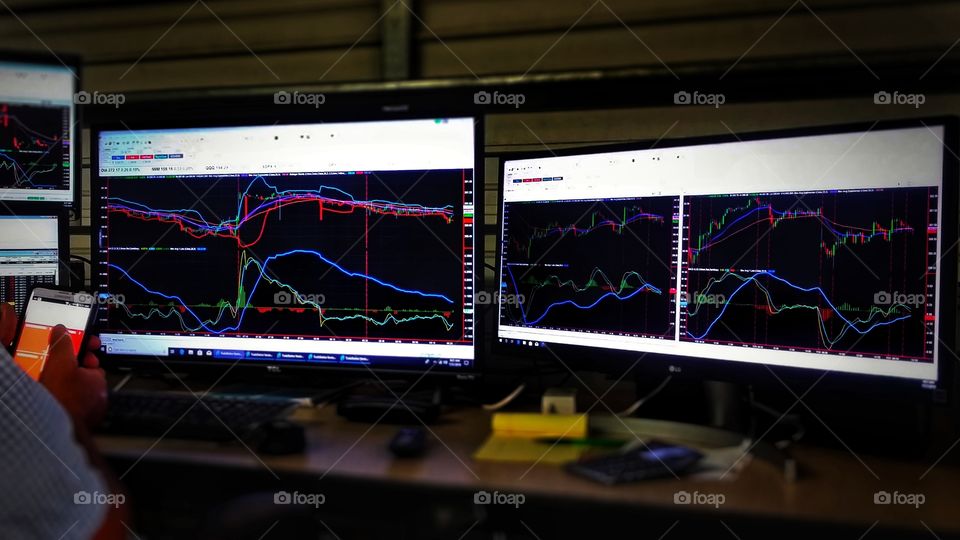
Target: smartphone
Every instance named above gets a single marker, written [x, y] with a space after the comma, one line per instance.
[46, 308]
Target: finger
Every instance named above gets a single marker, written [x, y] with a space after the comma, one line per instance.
[61, 346]
[93, 343]
[91, 361]
[8, 324]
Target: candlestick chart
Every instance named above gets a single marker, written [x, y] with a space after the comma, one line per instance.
[596, 265]
[834, 271]
[34, 147]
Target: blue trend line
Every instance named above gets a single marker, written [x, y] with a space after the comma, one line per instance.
[839, 314]
[646, 286]
[354, 274]
[253, 291]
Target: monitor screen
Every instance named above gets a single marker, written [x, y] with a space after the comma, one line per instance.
[819, 252]
[37, 121]
[29, 255]
[345, 245]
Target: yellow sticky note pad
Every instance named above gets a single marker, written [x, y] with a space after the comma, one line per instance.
[523, 437]
[566, 426]
[526, 450]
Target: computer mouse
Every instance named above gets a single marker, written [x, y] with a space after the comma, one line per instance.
[409, 442]
[281, 438]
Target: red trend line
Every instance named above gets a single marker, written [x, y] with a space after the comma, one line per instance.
[234, 233]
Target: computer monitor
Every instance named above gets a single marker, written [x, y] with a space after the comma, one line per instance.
[343, 245]
[32, 250]
[829, 249]
[38, 131]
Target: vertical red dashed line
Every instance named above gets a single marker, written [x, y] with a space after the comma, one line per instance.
[463, 256]
[237, 233]
[366, 256]
[926, 278]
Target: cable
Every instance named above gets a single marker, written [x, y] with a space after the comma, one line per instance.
[83, 259]
[489, 266]
[123, 382]
[799, 430]
[639, 403]
[507, 400]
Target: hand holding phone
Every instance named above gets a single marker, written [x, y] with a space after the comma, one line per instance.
[81, 388]
[53, 335]
[46, 309]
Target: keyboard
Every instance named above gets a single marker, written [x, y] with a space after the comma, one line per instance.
[215, 417]
[656, 460]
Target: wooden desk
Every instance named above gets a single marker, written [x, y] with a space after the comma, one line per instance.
[836, 489]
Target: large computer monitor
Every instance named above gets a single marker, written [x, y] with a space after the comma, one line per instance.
[32, 251]
[340, 245]
[38, 130]
[806, 251]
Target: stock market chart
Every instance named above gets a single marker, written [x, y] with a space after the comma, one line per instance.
[600, 265]
[34, 147]
[364, 255]
[848, 272]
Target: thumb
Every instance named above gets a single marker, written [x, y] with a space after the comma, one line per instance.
[61, 346]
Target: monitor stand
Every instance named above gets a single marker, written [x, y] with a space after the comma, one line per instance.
[378, 404]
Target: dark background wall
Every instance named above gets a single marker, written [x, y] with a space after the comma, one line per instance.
[146, 46]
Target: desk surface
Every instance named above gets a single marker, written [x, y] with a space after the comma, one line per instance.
[837, 486]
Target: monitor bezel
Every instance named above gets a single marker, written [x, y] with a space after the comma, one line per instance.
[618, 363]
[74, 63]
[297, 116]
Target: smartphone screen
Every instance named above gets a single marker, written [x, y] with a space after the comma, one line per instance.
[46, 308]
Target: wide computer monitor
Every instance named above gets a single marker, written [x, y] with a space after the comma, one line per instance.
[38, 131]
[32, 251]
[805, 251]
[339, 245]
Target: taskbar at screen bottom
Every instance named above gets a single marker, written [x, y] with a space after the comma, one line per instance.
[292, 352]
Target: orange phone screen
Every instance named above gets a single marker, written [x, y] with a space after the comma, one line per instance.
[34, 345]
[42, 315]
